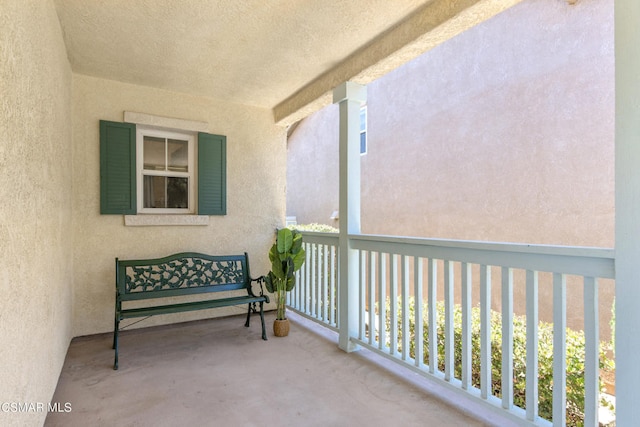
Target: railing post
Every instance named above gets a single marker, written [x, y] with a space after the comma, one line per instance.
[349, 96]
[627, 209]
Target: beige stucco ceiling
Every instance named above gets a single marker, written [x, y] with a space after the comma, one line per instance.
[276, 54]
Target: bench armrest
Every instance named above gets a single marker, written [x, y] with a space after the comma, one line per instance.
[260, 281]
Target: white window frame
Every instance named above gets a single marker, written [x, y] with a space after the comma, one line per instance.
[363, 110]
[190, 137]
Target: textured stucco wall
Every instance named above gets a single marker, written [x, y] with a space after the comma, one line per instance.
[504, 133]
[312, 168]
[256, 160]
[35, 226]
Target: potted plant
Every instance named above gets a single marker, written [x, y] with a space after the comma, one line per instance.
[286, 256]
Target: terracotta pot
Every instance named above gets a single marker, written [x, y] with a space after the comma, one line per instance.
[281, 327]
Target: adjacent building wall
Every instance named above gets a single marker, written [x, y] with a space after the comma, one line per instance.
[256, 159]
[35, 214]
[504, 133]
[312, 168]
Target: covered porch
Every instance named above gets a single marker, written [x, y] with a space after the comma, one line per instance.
[59, 249]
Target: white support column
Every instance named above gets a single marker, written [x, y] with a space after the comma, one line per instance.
[349, 96]
[627, 183]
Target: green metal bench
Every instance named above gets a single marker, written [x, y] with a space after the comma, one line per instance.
[183, 274]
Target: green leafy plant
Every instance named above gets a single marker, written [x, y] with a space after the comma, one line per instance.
[575, 356]
[287, 256]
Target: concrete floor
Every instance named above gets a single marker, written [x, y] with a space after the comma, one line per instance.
[219, 373]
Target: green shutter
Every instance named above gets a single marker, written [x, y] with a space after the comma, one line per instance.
[212, 174]
[117, 168]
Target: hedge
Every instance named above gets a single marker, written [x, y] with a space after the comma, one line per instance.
[575, 357]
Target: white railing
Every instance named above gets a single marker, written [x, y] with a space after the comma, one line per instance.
[456, 280]
[316, 293]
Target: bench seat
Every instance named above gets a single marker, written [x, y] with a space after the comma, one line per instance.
[187, 306]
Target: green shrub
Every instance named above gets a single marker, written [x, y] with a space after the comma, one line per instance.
[321, 228]
[612, 324]
[575, 357]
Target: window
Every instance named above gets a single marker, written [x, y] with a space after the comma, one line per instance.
[150, 170]
[165, 171]
[363, 129]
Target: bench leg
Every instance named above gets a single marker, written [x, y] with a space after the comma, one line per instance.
[248, 316]
[264, 331]
[116, 328]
